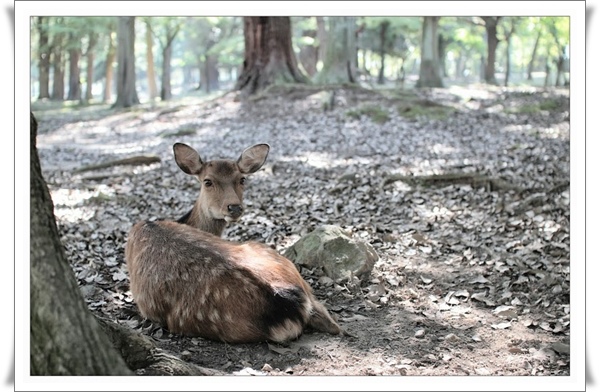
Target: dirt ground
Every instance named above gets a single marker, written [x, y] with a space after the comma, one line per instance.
[473, 276]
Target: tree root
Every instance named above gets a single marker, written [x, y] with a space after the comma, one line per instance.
[136, 161]
[143, 357]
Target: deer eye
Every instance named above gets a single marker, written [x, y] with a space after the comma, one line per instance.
[208, 183]
[243, 181]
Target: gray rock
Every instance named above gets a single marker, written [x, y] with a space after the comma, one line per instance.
[331, 248]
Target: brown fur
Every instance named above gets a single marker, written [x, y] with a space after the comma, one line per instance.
[195, 283]
[222, 185]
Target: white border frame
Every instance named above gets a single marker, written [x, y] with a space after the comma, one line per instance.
[574, 9]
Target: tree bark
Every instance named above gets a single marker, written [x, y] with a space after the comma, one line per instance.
[152, 90]
[44, 58]
[322, 39]
[382, 38]
[533, 54]
[65, 339]
[210, 74]
[165, 83]
[110, 59]
[491, 24]
[90, 54]
[126, 92]
[268, 54]
[58, 70]
[309, 54]
[429, 72]
[339, 63]
[507, 37]
[74, 70]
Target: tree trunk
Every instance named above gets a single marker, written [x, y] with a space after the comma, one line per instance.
[491, 23]
[429, 72]
[560, 63]
[382, 37]
[165, 81]
[533, 54]
[65, 339]
[58, 70]
[507, 37]
[89, 79]
[44, 59]
[442, 43]
[339, 64]
[309, 54]
[126, 92]
[74, 70]
[322, 39]
[110, 59]
[152, 90]
[268, 54]
[210, 74]
[547, 77]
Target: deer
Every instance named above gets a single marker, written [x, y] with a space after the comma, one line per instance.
[221, 185]
[195, 283]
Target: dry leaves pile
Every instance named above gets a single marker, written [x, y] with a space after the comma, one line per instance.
[471, 279]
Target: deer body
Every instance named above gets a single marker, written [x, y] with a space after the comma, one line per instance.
[192, 282]
[195, 283]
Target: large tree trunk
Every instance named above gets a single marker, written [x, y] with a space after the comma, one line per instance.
[65, 339]
[339, 63]
[491, 24]
[321, 38]
[533, 54]
[429, 72]
[126, 92]
[152, 90]
[74, 70]
[44, 59]
[309, 54]
[268, 54]
[111, 54]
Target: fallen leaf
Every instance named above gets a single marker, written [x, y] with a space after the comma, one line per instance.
[501, 325]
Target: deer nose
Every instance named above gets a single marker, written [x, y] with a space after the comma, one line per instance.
[235, 210]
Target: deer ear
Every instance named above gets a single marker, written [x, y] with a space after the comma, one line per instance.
[253, 158]
[187, 158]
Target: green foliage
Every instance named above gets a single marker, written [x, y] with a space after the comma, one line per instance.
[545, 105]
[419, 108]
[375, 113]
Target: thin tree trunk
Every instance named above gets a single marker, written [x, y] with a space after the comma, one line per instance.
[152, 89]
[74, 70]
[382, 36]
[165, 85]
[321, 38]
[65, 339]
[58, 70]
[44, 59]
[533, 54]
[110, 59]
[90, 67]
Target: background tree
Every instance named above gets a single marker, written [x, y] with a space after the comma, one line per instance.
[90, 54]
[509, 26]
[152, 90]
[58, 67]
[111, 55]
[268, 54]
[491, 25]
[126, 92]
[65, 339]
[537, 27]
[74, 48]
[43, 57]
[339, 64]
[429, 71]
[165, 30]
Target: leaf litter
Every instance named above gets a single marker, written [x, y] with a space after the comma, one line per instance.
[483, 265]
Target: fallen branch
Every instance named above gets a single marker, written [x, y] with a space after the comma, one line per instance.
[135, 161]
[143, 357]
[473, 179]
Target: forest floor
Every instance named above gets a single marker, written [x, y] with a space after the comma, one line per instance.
[463, 192]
